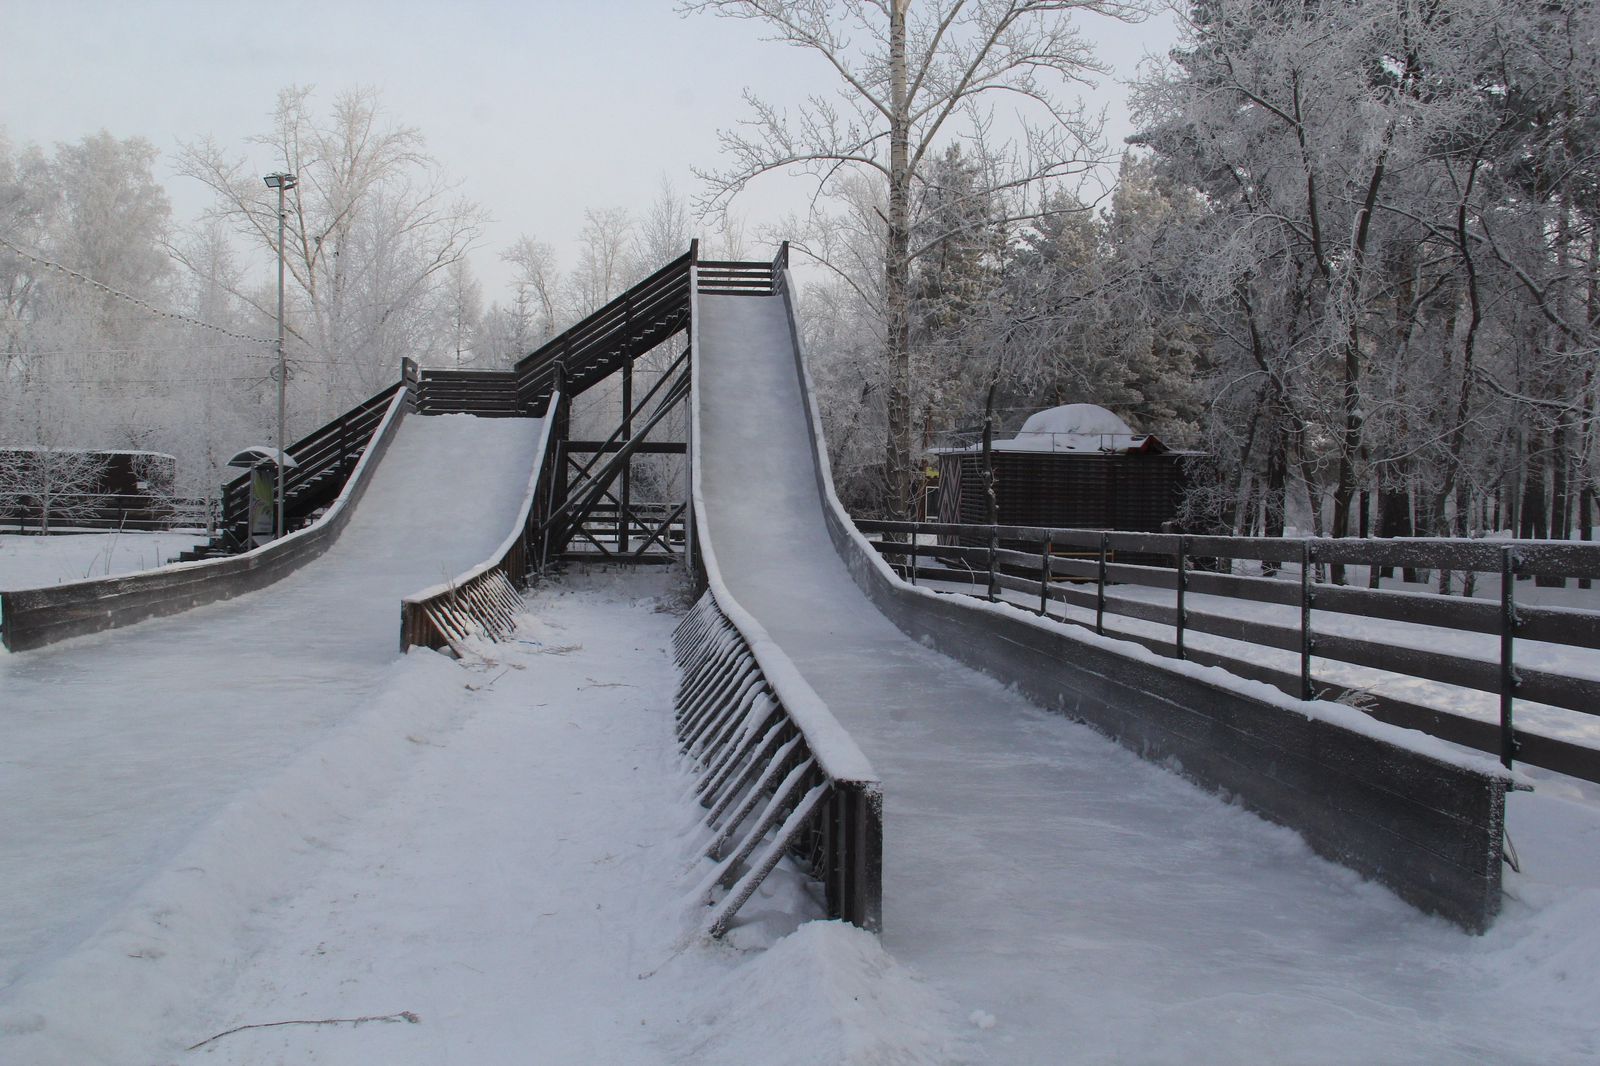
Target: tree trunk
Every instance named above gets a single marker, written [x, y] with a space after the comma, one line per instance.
[1274, 498]
[1586, 520]
[897, 280]
[1534, 509]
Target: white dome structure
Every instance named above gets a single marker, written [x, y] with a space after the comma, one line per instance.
[1075, 427]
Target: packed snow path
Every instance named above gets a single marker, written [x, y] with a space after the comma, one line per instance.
[116, 746]
[1082, 905]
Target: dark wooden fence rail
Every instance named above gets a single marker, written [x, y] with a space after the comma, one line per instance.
[325, 458]
[485, 601]
[32, 618]
[765, 791]
[722, 278]
[143, 514]
[1080, 568]
[485, 393]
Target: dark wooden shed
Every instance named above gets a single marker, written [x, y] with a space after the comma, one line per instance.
[1077, 467]
[107, 489]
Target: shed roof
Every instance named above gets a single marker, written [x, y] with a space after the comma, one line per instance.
[1073, 427]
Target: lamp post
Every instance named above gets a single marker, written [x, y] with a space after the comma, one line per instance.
[283, 183]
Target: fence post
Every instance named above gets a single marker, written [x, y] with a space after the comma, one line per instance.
[1044, 577]
[1183, 580]
[1100, 589]
[1508, 670]
[994, 572]
[1306, 597]
[916, 528]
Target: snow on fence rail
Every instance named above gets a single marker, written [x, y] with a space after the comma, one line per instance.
[485, 601]
[767, 793]
[1034, 562]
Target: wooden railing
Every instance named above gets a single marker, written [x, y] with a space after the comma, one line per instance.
[485, 601]
[32, 618]
[766, 789]
[724, 278]
[627, 327]
[100, 512]
[1081, 569]
[324, 460]
[485, 393]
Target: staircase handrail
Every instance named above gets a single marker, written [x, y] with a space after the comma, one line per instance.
[315, 454]
[579, 340]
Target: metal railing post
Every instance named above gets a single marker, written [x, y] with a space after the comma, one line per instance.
[1508, 669]
[1044, 578]
[1306, 598]
[1100, 588]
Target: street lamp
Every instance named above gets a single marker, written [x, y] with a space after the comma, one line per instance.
[283, 183]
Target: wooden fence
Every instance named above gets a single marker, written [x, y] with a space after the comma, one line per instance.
[113, 513]
[1080, 568]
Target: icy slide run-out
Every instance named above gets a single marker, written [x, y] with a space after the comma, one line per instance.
[115, 747]
[1074, 903]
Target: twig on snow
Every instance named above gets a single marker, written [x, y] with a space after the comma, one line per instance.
[403, 1016]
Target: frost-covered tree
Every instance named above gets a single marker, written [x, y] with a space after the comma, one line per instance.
[373, 228]
[1395, 267]
[56, 486]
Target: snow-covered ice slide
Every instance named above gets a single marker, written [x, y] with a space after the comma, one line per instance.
[117, 747]
[1071, 901]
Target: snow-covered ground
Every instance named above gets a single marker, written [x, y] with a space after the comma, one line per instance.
[1078, 904]
[30, 562]
[505, 851]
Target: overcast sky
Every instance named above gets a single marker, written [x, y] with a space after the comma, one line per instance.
[540, 108]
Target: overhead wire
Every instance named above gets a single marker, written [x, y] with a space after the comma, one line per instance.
[143, 305]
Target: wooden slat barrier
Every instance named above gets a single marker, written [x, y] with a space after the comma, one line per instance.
[724, 278]
[485, 601]
[1060, 557]
[485, 393]
[765, 792]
